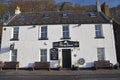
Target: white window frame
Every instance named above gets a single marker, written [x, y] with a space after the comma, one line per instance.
[12, 55]
[41, 55]
[101, 53]
[13, 33]
[43, 32]
[99, 31]
[66, 31]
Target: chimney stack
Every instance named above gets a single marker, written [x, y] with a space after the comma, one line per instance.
[17, 10]
[105, 9]
[98, 6]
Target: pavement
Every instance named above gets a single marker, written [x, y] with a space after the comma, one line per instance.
[56, 72]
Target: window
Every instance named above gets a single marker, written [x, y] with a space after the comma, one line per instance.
[101, 53]
[91, 14]
[44, 33]
[64, 15]
[99, 31]
[46, 15]
[66, 32]
[43, 55]
[15, 33]
[14, 55]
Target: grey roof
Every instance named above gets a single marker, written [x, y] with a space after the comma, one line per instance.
[57, 18]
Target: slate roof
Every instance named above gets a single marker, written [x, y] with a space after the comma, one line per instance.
[57, 18]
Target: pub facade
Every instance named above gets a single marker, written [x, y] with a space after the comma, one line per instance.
[62, 38]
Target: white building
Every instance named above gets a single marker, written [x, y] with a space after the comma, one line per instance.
[67, 37]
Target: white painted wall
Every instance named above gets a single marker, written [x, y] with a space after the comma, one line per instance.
[29, 46]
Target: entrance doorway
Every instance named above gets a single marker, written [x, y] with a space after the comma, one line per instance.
[66, 58]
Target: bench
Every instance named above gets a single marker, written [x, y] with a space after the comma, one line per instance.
[11, 65]
[103, 64]
[1, 65]
[41, 65]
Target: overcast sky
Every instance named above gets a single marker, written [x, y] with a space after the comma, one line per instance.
[111, 3]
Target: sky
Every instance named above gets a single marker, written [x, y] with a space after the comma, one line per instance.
[111, 3]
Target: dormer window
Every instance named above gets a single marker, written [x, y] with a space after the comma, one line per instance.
[91, 14]
[46, 15]
[64, 15]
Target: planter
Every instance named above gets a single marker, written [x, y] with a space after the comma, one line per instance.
[59, 68]
[75, 67]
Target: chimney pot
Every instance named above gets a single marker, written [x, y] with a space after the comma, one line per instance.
[17, 10]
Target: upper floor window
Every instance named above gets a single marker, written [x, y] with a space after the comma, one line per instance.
[101, 53]
[99, 31]
[66, 32]
[14, 55]
[43, 33]
[43, 55]
[15, 33]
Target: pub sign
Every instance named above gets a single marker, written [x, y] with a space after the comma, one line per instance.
[66, 44]
[54, 54]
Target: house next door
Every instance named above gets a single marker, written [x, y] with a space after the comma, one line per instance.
[66, 58]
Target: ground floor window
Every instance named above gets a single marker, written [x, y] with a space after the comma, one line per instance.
[14, 55]
[101, 53]
[43, 55]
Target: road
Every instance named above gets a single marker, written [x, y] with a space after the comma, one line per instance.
[114, 76]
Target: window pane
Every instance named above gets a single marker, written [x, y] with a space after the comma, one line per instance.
[66, 34]
[43, 59]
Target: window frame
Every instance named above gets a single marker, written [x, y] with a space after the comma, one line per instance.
[15, 32]
[43, 33]
[43, 54]
[65, 32]
[99, 31]
[99, 55]
[13, 56]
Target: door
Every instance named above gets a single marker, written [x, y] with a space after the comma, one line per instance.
[66, 58]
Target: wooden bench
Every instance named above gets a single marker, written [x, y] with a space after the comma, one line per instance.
[103, 64]
[41, 65]
[1, 65]
[11, 65]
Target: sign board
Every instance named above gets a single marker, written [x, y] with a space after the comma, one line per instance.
[54, 54]
[65, 44]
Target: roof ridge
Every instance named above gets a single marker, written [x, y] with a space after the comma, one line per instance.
[57, 12]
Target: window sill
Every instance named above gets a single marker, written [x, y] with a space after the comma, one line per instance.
[43, 39]
[99, 37]
[14, 39]
[66, 38]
